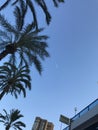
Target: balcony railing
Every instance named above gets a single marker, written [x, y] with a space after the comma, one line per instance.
[85, 110]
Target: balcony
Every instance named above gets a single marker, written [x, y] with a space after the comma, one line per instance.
[88, 116]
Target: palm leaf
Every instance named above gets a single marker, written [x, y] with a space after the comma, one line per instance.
[6, 25]
[29, 3]
[19, 88]
[14, 80]
[12, 119]
[19, 123]
[20, 13]
[5, 4]
[15, 115]
[43, 5]
[27, 45]
[56, 2]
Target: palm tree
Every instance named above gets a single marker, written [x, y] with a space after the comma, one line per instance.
[30, 4]
[14, 80]
[22, 41]
[11, 120]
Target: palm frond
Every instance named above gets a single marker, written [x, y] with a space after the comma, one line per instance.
[4, 34]
[17, 14]
[32, 8]
[15, 2]
[18, 89]
[15, 115]
[13, 62]
[14, 80]
[2, 117]
[5, 5]
[43, 5]
[6, 115]
[25, 41]
[12, 119]
[20, 13]
[28, 28]
[56, 2]
[6, 25]
[19, 124]
[37, 64]
[31, 5]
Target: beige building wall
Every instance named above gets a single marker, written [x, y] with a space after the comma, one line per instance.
[42, 124]
[50, 126]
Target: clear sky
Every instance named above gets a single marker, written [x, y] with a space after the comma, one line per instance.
[70, 75]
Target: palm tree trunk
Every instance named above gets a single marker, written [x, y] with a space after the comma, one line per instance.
[3, 54]
[7, 127]
[10, 49]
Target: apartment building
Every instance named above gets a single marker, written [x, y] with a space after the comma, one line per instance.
[42, 124]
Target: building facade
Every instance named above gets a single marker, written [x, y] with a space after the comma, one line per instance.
[42, 124]
[87, 119]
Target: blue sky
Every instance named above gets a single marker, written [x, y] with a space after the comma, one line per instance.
[70, 75]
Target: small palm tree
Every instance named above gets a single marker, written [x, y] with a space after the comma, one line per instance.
[30, 4]
[22, 41]
[11, 120]
[14, 80]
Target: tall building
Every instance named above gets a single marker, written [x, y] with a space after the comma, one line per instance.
[87, 119]
[42, 124]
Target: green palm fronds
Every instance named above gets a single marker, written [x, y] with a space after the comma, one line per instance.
[14, 80]
[31, 5]
[10, 120]
[22, 41]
